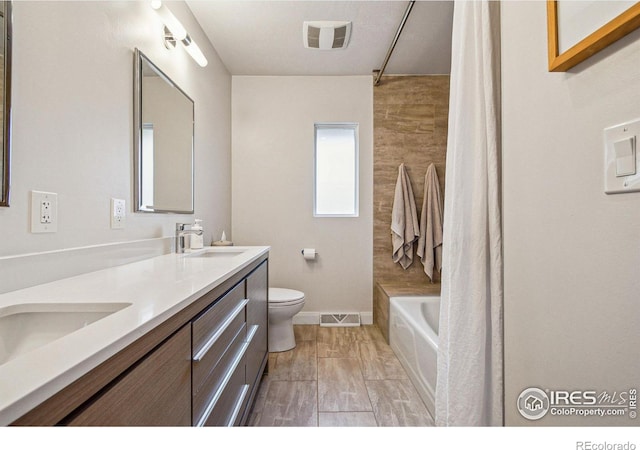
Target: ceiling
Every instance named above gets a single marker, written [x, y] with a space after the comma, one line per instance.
[265, 37]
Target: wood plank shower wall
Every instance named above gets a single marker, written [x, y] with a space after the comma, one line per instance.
[410, 125]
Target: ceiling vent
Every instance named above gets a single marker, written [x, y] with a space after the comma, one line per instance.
[326, 35]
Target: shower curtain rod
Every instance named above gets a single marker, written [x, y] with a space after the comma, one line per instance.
[393, 43]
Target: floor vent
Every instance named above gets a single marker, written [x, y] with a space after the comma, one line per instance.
[339, 320]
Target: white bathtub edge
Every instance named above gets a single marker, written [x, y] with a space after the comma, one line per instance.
[415, 345]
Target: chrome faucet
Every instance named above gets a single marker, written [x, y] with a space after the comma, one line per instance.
[181, 232]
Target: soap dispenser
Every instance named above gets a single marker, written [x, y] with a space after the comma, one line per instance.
[197, 241]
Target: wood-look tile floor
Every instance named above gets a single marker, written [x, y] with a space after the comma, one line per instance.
[337, 377]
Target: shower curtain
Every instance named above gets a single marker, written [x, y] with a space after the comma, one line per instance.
[470, 371]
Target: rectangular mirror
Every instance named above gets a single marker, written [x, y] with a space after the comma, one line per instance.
[164, 123]
[5, 102]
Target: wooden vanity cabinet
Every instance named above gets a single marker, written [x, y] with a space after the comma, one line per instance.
[230, 353]
[156, 392]
[219, 349]
[258, 324]
[201, 367]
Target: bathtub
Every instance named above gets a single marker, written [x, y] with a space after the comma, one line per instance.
[413, 336]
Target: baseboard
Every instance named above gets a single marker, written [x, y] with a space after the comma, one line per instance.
[313, 318]
[306, 318]
[366, 318]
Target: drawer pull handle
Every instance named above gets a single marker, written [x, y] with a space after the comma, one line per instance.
[252, 332]
[236, 408]
[212, 340]
[223, 385]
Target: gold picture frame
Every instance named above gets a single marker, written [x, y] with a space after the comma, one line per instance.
[604, 36]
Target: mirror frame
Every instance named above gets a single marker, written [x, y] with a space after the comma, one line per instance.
[6, 104]
[138, 125]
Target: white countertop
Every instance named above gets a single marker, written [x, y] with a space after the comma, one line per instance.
[157, 288]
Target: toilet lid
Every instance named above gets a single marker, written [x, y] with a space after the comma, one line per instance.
[282, 295]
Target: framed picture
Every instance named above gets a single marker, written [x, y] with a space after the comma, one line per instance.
[580, 29]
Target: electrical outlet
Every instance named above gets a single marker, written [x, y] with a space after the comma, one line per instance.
[44, 212]
[118, 214]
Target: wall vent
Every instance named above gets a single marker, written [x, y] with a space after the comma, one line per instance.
[326, 35]
[339, 320]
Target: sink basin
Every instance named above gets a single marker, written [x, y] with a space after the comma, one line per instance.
[25, 327]
[217, 252]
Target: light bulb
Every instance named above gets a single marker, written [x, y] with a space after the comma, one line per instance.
[169, 20]
[192, 48]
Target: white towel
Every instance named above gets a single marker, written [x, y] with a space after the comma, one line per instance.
[430, 242]
[404, 220]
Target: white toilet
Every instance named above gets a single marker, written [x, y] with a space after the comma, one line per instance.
[283, 305]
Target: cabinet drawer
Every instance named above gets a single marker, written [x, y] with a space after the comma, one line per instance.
[205, 365]
[256, 353]
[156, 392]
[206, 398]
[257, 320]
[208, 327]
[257, 288]
[229, 408]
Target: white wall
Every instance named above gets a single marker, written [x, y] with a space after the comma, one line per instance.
[73, 119]
[572, 253]
[273, 127]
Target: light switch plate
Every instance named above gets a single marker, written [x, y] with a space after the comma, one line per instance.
[44, 212]
[625, 156]
[614, 183]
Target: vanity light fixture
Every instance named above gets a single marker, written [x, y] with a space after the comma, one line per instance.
[175, 32]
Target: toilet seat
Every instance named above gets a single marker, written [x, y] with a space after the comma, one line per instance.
[281, 297]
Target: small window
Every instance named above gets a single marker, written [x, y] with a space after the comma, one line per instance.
[336, 170]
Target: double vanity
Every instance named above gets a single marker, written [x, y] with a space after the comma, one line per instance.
[174, 339]
[178, 339]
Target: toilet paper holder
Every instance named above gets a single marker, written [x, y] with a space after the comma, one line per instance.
[312, 253]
